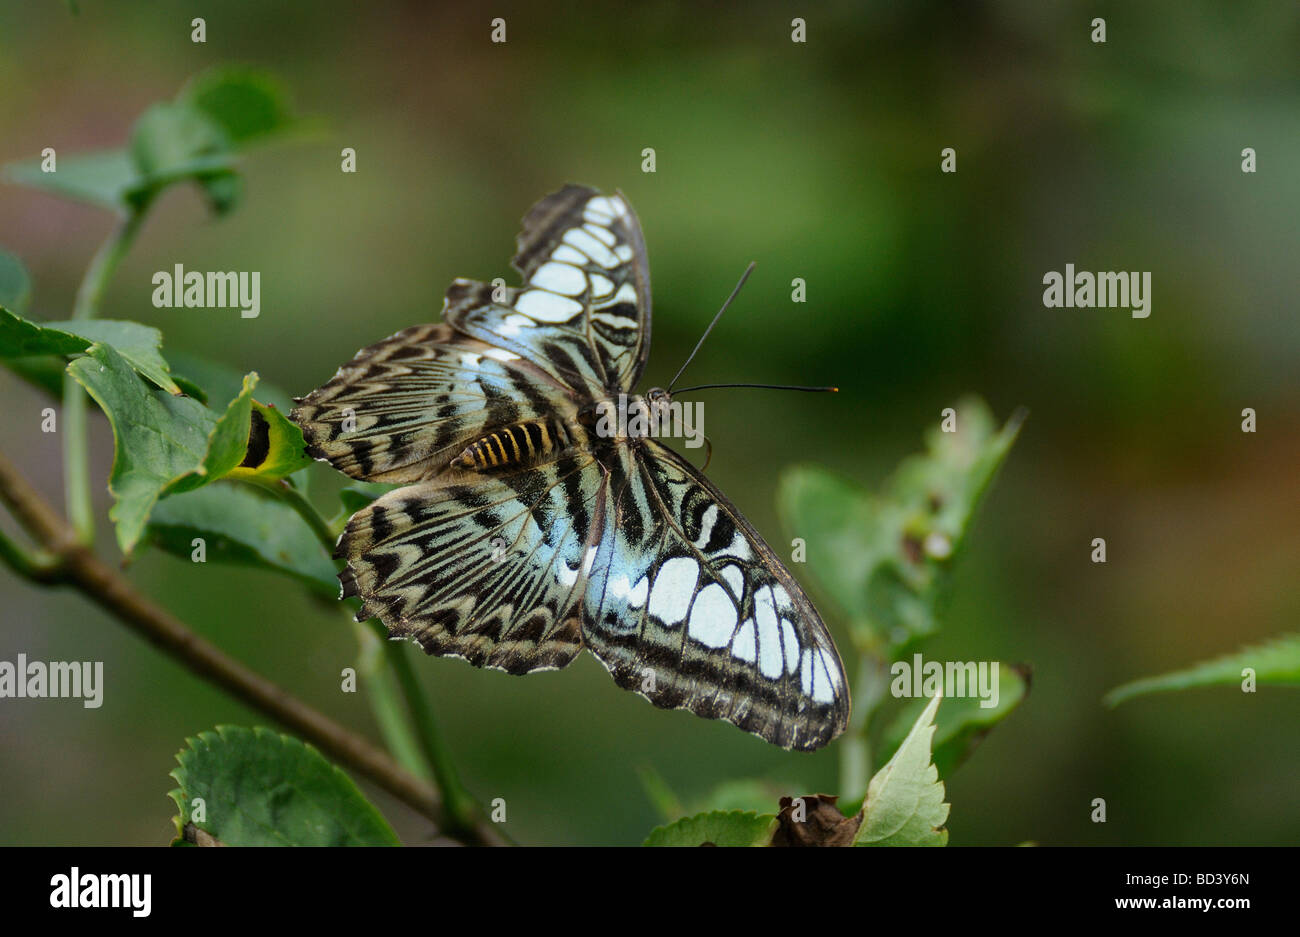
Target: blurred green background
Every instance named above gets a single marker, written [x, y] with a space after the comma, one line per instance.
[819, 161]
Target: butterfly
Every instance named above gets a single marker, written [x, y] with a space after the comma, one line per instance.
[525, 531]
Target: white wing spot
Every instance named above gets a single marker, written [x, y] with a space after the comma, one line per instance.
[600, 286]
[591, 247]
[713, 617]
[547, 307]
[673, 590]
[769, 635]
[514, 323]
[566, 254]
[790, 642]
[612, 207]
[743, 647]
[706, 525]
[560, 278]
[500, 354]
[732, 575]
[806, 672]
[636, 597]
[623, 252]
[601, 234]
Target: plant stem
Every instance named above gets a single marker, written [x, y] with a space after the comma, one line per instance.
[384, 696]
[463, 811]
[76, 448]
[107, 588]
[855, 750]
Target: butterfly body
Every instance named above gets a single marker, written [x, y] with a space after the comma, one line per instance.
[540, 513]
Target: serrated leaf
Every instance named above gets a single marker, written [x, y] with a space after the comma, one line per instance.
[904, 805]
[15, 284]
[242, 526]
[1276, 662]
[139, 345]
[157, 437]
[886, 558]
[718, 828]
[962, 722]
[260, 788]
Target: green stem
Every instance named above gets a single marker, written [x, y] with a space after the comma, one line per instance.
[76, 448]
[462, 808]
[384, 697]
[855, 751]
[36, 565]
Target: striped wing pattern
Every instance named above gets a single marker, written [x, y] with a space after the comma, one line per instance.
[621, 547]
[404, 407]
[491, 571]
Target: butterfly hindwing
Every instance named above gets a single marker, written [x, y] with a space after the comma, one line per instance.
[489, 569]
[583, 313]
[688, 606]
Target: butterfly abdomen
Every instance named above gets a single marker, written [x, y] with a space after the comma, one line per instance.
[517, 445]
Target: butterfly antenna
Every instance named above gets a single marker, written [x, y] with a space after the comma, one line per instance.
[743, 277]
[811, 390]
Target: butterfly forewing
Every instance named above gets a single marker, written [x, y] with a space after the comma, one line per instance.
[583, 314]
[616, 544]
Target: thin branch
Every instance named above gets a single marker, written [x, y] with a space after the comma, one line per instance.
[107, 588]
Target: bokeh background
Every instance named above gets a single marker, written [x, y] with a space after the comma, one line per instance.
[819, 161]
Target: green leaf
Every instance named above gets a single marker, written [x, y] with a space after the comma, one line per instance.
[962, 721]
[15, 285]
[195, 137]
[157, 437]
[275, 446]
[719, 828]
[246, 103]
[886, 559]
[904, 804]
[1277, 663]
[108, 179]
[243, 526]
[227, 442]
[259, 788]
[138, 344]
